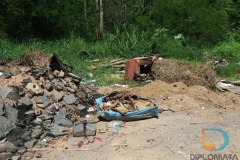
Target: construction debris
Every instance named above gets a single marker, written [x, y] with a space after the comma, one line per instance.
[39, 102]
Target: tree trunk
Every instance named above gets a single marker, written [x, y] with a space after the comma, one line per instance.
[101, 17]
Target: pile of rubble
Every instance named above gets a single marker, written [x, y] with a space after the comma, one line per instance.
[39, 102]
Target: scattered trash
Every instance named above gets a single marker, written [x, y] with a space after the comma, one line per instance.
[90, 75]
[148, 81]
[1, 74]
[121, 85]
[81, 143]
[45, 140]
[126, 106]
[92, 81]
[116, 125]
[92, 67]
[139, 69]
[224, 85]
[119, 64]
[119, 145]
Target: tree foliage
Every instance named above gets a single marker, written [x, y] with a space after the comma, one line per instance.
[199, 21]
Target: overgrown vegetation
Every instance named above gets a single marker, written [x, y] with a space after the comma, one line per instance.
[182, 29]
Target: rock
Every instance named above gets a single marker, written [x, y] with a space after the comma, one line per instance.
[12, 113]
[37, 112]
[78, 130]
[35, 88]
[13, 95]
[6, 75]
[25, 101]
[40, 105]
[22, 150]
[58, 88]
[50, 76]
[16, 157]
[70, 99]
[61, 120]
[51, 108]
[56, 96]
[91, 128]
[70, 89]
[29, 95]
[30, 112]
[26, 81]
[29, 118]
[6, 126]
[37, 121]
[46, 101]
[47, 123]
[26, 135]
[56, 72]
[7, 147]
[49, 87]
[58, 131]
[31, 143]
[4, 156]
[46, 93]
[61, 74]
[1, 107]
[14, 73]
[81, 95]
[37, 132]
[81, 107]
[4, 91]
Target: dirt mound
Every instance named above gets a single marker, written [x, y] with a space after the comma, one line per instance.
[181, 71]
[33, 58]
[179, 97]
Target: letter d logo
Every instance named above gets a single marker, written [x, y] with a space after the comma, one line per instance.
[210, 146]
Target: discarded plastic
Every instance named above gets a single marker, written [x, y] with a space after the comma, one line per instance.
[121, 85]
[115, 124]
[90, 75]
[80, 144]
[45, 140]
[92, 81]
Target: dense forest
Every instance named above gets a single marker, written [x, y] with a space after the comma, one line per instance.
[199, 21]
[180, 29]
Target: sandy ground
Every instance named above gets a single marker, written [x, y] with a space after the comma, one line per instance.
[171, 136]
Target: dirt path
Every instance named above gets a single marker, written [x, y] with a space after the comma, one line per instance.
[172, 136]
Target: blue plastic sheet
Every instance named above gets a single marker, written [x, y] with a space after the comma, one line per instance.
[149, 112]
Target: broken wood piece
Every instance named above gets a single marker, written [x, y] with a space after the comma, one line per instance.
[115, 60]
[196, 122]
[132, 103]
[119, 66]
[95, 60]
[118, 144]
[119, 62]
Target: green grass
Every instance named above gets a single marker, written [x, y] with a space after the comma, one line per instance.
[79, 53]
